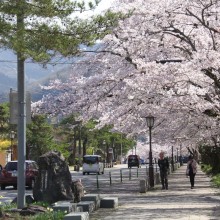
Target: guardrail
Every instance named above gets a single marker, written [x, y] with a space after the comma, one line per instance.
[132, 173]
[124, 174]
[109, 165]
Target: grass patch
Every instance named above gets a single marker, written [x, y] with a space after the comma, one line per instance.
[7, 213]
[49, 216]
[215, 179]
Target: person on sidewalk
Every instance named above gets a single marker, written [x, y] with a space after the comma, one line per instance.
[191, 170]
[163, 164]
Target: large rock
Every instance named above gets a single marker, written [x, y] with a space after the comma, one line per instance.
[54, 180]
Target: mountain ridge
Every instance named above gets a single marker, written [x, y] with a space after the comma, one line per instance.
[35, 74]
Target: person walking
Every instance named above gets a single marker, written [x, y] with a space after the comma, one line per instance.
[191, 170]
[163, 164]
[1, 169]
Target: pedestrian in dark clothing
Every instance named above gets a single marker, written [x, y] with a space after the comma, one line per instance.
[163, 164]
[191, 170]
[1, 168]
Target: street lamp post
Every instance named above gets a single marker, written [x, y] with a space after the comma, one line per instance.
[150, 124]
[106, 153]
[80, 141]
[177, 155]
[12, 136]
[121, 149]
[181, 161]
[172, 160]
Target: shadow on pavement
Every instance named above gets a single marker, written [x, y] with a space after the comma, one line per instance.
[178, 202]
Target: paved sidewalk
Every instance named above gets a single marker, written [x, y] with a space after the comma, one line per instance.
[180, 202]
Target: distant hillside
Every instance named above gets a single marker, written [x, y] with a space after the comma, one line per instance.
[6, 83]
[35, 74]
[33, 71]
[35, 87]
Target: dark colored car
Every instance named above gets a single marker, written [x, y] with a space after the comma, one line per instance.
[184, 159]
[8, 176]
[142, 161]
[134, 161]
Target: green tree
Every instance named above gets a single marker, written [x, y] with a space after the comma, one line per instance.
[70, 131]
[40, 30]
[4, 119]
[210, 155]
[67, 134]
[40, 137]
[75, 134]
[5, 127]
[103, 139]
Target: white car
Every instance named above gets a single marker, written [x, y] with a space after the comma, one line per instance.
[93, 164]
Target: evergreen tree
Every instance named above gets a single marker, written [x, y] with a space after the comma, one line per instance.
[40, 30]
[39, 137]
[4, 118]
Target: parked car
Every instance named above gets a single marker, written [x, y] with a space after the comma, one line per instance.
[134, 161]
[8, 176]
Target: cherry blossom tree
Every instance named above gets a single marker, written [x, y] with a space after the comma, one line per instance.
[163, 60]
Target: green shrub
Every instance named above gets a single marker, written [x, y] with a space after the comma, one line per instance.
[216, 180]
[206, 168]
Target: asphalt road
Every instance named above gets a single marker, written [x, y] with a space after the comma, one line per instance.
[92, 183]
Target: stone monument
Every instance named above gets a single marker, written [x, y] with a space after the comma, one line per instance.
[54, 181]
